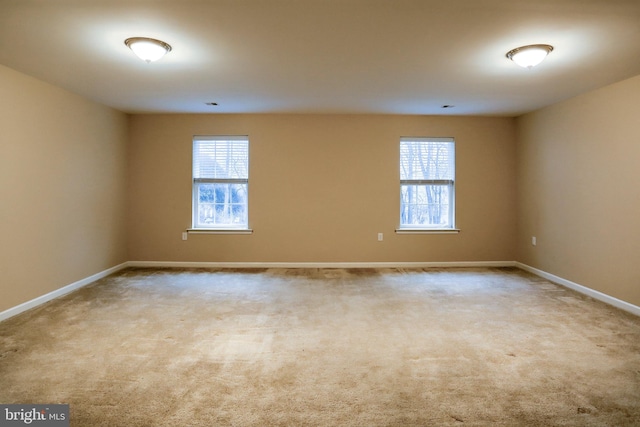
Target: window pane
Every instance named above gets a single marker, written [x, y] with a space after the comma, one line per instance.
[222, 205]
[220, 177]
[427, 180]
[221, 159]
[426, 159]
[426, 206]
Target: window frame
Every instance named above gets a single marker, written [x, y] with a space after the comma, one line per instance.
[197, 182]
[448, 182]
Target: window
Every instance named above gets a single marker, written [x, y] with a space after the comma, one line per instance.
[220, 182]
[427, 178]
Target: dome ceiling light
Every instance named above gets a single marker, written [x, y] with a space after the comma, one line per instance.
[529, 56]
[149, 50]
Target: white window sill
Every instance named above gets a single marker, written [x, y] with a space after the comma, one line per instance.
[427, 231]
[219, 231]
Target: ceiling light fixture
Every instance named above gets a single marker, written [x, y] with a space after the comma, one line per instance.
[529, 56]
[147, 49]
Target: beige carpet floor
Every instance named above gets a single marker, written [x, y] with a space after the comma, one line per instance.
[326, 347]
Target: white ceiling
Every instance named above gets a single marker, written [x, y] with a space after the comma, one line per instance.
[323, 56]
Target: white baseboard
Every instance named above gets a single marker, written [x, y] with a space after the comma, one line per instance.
[623, 305]
[181, 264]
[59, 292]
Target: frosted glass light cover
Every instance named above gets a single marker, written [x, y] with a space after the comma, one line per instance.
[148, 50]
[529, 56]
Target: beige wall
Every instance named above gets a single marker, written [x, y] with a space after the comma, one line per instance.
[579, 190]
[62, 188]
[321, 188]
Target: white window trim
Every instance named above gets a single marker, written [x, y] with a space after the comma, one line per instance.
[427, 230]
[408, 229]
[218, 229]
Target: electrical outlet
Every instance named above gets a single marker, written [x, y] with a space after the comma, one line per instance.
[533, 240]
[380, 237]
[184, 235]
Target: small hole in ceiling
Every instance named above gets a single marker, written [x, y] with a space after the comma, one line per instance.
[447, 106]
[213, 104]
